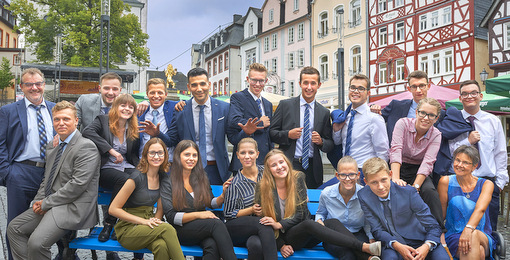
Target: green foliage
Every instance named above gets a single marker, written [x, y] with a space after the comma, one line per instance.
[79, 23]
[6, 76]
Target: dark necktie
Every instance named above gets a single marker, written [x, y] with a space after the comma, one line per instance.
[305, 155]
[472, 122]
[43, 140]
[155, 114]
[49, 182]
[105, 110]
[349, 134]
[259, 103]
[389, 220]
[202, 143]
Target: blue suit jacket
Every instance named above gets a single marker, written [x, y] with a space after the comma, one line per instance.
[168, 111]
[242, 108]
[411, 216]
[13, 133]
[182, 128]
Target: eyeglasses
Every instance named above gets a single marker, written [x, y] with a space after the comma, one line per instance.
[457, 161]
[255, 81]
[344, 176]
[153, 154]
[423, 114]
[421, 86]
[471, 94]
[29, 85]
[357, 89]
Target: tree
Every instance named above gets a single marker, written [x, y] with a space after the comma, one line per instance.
[6, 76]
[78, 21]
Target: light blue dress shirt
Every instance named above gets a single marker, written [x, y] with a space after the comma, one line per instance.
[412, 110]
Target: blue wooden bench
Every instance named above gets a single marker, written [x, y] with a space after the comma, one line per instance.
[90, 241]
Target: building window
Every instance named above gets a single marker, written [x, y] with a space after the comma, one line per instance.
[398, 3]
[447, 15]
[271, 15]
[250, 29]
[220, 87]
[382, 6]
[383, 73]
[323, 67]
[383, 36]
[250, 58]
[355, 60]
[355, 13]
[274, 41]
[292, 84]
[339, 20]
[266, 44]
[301, 58]
[209, 67]
[448, 61]
[323, 24]
[15, 43]
[437, 18]
[215, 88]
[301, 31]
[296, 5]
[274, 64]
[220, 68]
[436, 64]
[399, 32]
[226, 84]
[291, 60]
[440, 62]
[424, 64]
[400, 70]
[291, 34]
[215, 66]
[266, 64]
[6, 40]
[506, 26]
[434, 19]
[423, 22]
[334, 73]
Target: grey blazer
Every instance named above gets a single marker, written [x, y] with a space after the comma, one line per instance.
[73, 202]
[88, 106]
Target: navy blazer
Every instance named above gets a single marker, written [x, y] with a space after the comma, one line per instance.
[168, 111]
[183, 128]
[242, 108]
[411, 216]
[13, 133]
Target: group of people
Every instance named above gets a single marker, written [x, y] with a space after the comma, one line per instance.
[53, 157]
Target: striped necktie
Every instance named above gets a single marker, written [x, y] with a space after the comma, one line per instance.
[348, 139]
[49, 182]
[306, 138]
[259, 103]
[43, 140]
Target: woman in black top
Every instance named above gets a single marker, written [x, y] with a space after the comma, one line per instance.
[185, 201]
[138, 226]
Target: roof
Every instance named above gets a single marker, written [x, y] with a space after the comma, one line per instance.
[79, 73]
[488, 15]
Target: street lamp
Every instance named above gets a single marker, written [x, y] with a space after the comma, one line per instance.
[105, 20]
[483, 76]
[340, 65]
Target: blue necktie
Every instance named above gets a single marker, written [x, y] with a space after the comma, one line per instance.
[106, 110]
[306, 138]
[49, 182]
[155, 114]
[259, 103]
[202, 143]
[43, 140]
[349, 134]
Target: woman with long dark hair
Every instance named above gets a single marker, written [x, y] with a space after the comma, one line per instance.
[185, 201]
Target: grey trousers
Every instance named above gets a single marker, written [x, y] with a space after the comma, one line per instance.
[31, 235]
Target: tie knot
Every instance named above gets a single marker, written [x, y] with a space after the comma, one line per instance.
[471, 118]
[201, 107]
[353, 112]
[155, 112]
[258, 101]
[62, 144]
[35, 107]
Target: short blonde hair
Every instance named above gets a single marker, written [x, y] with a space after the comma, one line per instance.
[374, 165]
[64, 105]
[347, 160]
[431, 101]
[155, 81]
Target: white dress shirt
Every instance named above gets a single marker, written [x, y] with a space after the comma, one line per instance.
[492, 145]
[261, 104]
[369, 138]
[299, 142]
[208, 126]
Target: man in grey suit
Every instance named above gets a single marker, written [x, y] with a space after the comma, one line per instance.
[67, 198]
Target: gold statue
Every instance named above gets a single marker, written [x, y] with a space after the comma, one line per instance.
[170, 72]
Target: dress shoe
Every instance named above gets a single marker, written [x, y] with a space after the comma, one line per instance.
[104, 235]
[112, 256]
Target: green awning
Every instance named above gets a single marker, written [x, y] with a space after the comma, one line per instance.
[499, 85]
[490, 102]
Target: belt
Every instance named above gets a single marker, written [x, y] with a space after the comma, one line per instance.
[32, 163]
[300, 159]
[211, 162]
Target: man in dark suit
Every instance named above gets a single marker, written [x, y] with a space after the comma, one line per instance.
[25, 130]
[301, 135]
[250, 116]
[209, 115]
[398, 216]
[67, 197]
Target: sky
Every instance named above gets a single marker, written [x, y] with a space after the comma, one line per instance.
[174, 25]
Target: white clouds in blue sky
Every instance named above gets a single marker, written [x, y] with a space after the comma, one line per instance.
[174, 25]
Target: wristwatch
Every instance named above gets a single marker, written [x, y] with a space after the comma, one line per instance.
[416, 186]
[430, 246]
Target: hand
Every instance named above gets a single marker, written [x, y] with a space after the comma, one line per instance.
[423, 251]
[295, 133]
[375, 109]
[269, 221]
[226, 184]
[405, 251]
[117, 155]
[251, 126]
[474, 137]
[149, 128]
[153, 222]
[141, 107]
[371, 241]
[399, 182]
[316, 138]
[320, 222]
[266, 121]
[338, 126]
[206, 214]
[465, 241]
[257, 210]
[37, 208]
[55, 140]
[180, 105]
[286, 251]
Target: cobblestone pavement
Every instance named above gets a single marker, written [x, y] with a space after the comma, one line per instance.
[86, 255]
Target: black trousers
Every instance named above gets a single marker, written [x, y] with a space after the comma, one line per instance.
[494, 205]
[211, 235]
[310, 233]
[427, 191]
[113, 179]
[258, 238]
[342, 252]
[311, 183]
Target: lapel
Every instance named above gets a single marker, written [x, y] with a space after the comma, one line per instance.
[22, 113]
[268, 107]
[407, 106]
[188, 118]
[214, 117]
[295, 116]
[393, 202]
[317, 119]
[95, 111]
[252, 102]
[167, 110]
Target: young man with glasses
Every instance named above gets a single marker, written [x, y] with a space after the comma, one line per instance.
[363, 134]
[250, 115]
[486, 134]
[25, 131]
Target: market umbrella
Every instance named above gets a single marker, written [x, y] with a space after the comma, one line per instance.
[499, 85]
[441, 94]
[490, 102]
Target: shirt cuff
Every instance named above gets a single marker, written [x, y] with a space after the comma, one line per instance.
[433, 243]
[178, 218]
[391, 244]
[214, 203]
